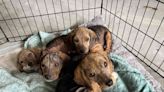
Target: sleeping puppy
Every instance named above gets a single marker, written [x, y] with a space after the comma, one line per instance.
[29, 60]
[85, 38]
[62, 43]
[95, 72]
[63, 48]
[52, 63]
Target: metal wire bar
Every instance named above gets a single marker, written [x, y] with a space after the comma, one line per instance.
[40, 14]
[110, 13]
[120, 17]
[55, 14]
[18, 19]
[48, 15]
[114, 16]
[133, 21]
[126, 19]
[32, 14]
[134, 27]
[62, 14]
[11, 20]
[25, 16]
[148, 27]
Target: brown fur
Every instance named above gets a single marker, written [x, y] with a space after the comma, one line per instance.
[61, 43]
[96, 72]
[103, 36]
[85, 38]
[57, 52]
[29, 60]
[82, 39]
[52, 64]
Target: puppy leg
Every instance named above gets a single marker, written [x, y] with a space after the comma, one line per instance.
[108, 39]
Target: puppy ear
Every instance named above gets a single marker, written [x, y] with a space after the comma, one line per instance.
[64, 56]
[93, 37]
[43, 54]
[108, 39]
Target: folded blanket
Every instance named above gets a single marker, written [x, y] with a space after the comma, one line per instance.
[21, 82]
[130, 79]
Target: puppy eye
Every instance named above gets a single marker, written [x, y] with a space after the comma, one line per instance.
[105, 64]
[91, 74]
[42, 65]
[76, 40]
[87, 39]
[57, 64]
[21, 62]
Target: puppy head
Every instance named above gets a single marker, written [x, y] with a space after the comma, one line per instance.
[52, 64]
[28, 60]
[95, 67]
[82, 39]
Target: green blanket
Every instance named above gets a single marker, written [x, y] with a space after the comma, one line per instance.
[129, 80]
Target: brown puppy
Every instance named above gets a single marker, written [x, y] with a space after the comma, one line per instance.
[85, 38]
[52, 64]
[57, 52]
[96, 72]
[61, 43]
[29, 60]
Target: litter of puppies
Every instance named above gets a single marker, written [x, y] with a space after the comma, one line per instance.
[82, 54]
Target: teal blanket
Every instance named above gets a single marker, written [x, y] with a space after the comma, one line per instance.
[129, 79]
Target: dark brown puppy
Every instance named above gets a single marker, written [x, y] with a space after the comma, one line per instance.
[52, 64]
[56, 54]
[29, 60]
[61, 43]
[95, 72]
[85, 38]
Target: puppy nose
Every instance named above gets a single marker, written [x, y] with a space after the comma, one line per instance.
[109, 82]
[47, 76]
[30, 64]
[81, 51]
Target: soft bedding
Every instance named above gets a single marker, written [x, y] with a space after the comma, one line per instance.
[21, 82]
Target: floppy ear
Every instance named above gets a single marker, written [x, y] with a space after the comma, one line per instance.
[108, 39]
[71, 36]
[64, 56]
[43, 54]
[93, 37]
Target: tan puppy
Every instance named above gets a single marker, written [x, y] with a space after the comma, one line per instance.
[29, 60]
[85, 38]
[96, 72]
[52, 64]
